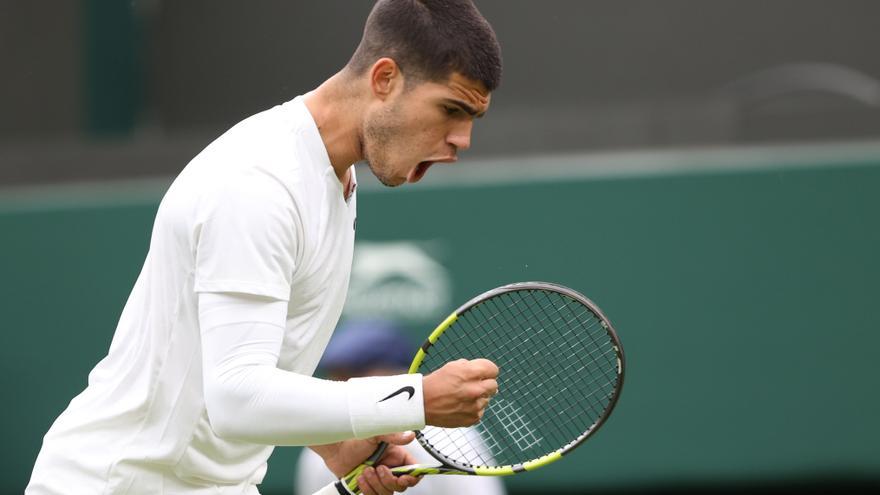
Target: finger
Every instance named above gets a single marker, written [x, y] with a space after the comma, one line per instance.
[401, 438]
[389, 481]
[490, 387]
[485, 368]
[364, 486]
[396, 456]
[369, 483]
[410, 481]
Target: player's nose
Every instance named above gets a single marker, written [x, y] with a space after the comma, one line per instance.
[460, 135]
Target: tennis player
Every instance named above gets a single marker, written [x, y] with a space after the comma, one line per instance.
[246, 275]
[378, 348]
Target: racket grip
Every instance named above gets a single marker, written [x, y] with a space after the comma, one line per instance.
[424, 469]
[349, 485]
[402, 470]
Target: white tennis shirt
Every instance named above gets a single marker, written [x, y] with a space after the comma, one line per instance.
[260, 211]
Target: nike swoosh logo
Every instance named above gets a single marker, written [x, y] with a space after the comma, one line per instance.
[411, 391]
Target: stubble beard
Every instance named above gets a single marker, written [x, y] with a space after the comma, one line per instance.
[377, 135]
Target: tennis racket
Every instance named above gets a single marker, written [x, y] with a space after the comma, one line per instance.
[561, 372]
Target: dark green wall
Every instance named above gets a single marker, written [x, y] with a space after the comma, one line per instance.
[745, 301]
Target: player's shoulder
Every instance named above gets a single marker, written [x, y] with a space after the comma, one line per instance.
[275, 132]
[273, 158]
[215, 189]
[282, 141]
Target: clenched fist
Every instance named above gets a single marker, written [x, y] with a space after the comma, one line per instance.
[457, 394]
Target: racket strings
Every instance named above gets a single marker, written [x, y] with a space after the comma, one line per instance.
[532, 321]
[480, 450]
[570, 366]
[558, 373]
[569, 401]
[592, 349]
[480, 453]
[547, 370]
[596, 358]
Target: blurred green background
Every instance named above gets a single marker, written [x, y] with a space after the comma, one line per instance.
[744, 298]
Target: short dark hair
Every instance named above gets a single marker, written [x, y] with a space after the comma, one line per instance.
[431, 39]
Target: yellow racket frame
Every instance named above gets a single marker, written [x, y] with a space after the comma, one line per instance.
[350, 480]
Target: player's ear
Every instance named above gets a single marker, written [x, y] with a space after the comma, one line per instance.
[385, 77]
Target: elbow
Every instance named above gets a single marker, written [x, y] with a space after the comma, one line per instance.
[226, 414]
[224, 427]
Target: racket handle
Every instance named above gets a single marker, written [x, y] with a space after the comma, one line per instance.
[423, 469]
[349, 485]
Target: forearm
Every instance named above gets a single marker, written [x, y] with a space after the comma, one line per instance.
[249, 399]
[259, 403]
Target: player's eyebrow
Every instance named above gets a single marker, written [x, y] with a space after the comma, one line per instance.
[467, 108]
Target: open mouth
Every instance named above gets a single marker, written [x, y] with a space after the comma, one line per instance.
[419, 172]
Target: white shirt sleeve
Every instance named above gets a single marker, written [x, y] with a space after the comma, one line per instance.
[246, 238]
[249, 399]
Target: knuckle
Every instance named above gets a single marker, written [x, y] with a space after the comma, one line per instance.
[473, 393]
[485, 368]
[493, 370]
[456, 367]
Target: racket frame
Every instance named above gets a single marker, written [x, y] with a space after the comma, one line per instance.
[451, 466]
[459, 468]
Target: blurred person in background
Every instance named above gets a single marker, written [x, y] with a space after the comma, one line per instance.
[379, 348]
[211, 363]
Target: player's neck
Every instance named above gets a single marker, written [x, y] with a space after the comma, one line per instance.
[337, 112]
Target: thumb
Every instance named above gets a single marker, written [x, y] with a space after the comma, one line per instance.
[402, 438]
